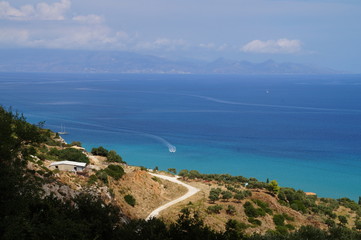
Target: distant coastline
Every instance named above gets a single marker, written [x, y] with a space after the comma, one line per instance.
[72, 61]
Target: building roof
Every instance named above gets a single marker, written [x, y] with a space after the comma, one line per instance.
[66, 162]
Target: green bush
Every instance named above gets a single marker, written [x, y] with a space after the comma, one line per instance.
[283, 230]
[251, 211]
[214, 209]
[100, 151]
[130, 200]
[226, 195]
[263, 205]
[342, 219]
[231, 210]
[214, 194]
[279, 220]
[92, 179]
[239, 196]
[115, 171]
[142, 168]
[75, 143]
[112, 156]
[234, 229]
[70, 154]
[254, 221]
[102, 176]
[358, 224]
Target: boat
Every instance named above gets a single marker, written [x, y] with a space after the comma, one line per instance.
[63, 132]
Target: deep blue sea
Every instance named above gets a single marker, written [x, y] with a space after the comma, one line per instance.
[303, 131]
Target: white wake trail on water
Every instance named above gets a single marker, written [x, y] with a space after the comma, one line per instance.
[217, 100]
[171, 147]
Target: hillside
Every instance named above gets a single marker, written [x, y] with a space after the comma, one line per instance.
[110, 199]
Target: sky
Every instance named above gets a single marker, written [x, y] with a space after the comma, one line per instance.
[318, 32]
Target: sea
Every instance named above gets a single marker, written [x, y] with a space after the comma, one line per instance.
[302, 130]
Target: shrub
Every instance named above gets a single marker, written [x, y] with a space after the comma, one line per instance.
[330, 222]
[102, 175]
[214, 209]
[231, 210]
[70, 154]
[75, 143]
[283, 230]
[92, 179]
[254, 221]
[226, 195]
[112, 156]
[142, 168]
[263, 205]
[172, 170]
[279, 220]
[100, 151]
[239, 196]
[214, 194]
[235, 229]
[194, 174]
[115, 171]
[342, 219]
[251, 211]
[183, 173]
[130, 200]
[358, 225]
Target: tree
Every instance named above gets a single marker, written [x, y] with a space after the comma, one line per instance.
[273, 187]
[235, 229]
[112, 156]
[194, 174]
[239, 196]
[231, 210]
[226, 195]
[359, 200]
[214, 194]
[76, 143]
[172, 170]
[100, 151]
[215, 209]
[184, 173]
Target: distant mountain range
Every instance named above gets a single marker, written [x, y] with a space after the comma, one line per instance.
[79, 61]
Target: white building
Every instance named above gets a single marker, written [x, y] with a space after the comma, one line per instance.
[68, 166]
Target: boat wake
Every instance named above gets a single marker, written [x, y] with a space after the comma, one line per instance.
[171, 147]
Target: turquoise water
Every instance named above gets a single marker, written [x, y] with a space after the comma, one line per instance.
[303, 131]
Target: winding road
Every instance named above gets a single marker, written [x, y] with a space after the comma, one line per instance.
[191, 192]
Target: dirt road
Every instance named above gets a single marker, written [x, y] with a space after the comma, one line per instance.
[191, 192]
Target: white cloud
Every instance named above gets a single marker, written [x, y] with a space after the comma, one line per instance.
[282, 45]
[40, 11]
[207, 45]
[89, 19]
[162, 43]
[68, 37]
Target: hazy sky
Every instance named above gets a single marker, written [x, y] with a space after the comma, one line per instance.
[321, 32]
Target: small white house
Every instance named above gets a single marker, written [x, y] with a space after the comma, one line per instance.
[68, 166]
